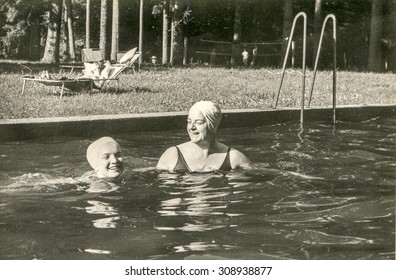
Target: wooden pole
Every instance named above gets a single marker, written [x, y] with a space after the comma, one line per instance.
[87, 25]
[141, 31]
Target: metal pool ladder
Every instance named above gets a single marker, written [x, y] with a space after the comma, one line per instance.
[330, 16]
[302, 14]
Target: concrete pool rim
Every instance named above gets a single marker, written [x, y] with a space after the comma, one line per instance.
[99, 125]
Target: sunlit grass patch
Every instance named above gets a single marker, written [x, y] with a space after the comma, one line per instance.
[177, 89]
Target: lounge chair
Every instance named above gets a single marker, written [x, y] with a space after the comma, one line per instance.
[92, 55]
[129, 58]
[94, 75]
[87, 55]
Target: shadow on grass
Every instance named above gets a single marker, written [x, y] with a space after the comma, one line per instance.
[115, 91]
[121, 90]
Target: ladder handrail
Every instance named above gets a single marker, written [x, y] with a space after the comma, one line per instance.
[330, 16]
[303, 62]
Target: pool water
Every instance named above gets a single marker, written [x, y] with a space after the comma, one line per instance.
[322, 193]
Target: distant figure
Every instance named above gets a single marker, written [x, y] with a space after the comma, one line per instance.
[202, 153]
[254, 56]
[213, 57]
[104, 156]
[98, 71]
[245, 57]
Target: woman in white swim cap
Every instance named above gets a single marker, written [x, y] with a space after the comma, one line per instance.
[202, 153]
[104, 156]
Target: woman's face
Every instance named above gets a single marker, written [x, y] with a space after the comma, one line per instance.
[197, 126]
[110, 162]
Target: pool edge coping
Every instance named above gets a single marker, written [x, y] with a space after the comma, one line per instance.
[97, 125]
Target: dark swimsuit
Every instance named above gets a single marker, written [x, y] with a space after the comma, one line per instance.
[182, 166]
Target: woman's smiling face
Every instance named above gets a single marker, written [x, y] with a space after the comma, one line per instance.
[109, 162]
[197, 126]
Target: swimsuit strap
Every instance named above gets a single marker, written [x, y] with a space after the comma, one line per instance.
[181, 164]
[226, 166]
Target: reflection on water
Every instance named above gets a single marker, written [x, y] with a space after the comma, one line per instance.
[320, 238]
[97, 251]
[103, 208]
[201, 246]
[199, 196]
[320, 193]
[195, 196]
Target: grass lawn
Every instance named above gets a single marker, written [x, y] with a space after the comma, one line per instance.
[178, 88]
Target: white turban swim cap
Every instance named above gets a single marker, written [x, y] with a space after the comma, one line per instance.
[93, 149]
[211, 112]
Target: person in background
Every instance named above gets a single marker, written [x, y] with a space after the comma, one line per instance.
[254, 56]
[213, 57]
[245, 57]
[203, 153]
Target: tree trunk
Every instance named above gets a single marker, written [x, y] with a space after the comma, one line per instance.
[172, 37]
[186, 35]
[375, 62]
[287, 23]
[70, 30]
[88, 25]
[141, 31]
[66, 54]
[185, 51]
[103, 28]
[165, 26]
[176, 52]
[317, 27]
[236, 46]
[114, 30]
[51, 52]
[34, 37]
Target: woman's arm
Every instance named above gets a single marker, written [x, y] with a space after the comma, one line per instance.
[239, 160]
[168, 159]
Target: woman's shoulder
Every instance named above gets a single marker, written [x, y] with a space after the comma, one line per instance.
[96, 184]
[223, 148]
[239, 160]
[88, 176]
[168, 159]
[102, 186]
[171, 151]
[184, 146]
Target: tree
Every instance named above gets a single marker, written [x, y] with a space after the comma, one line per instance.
[51, 52]
[317, 27]
[34, 37]
[103, 27]
[236, 46]
[25, 22]
[88, 24]
[185, 20]
[165, 26]
[70, 29]
[141, 30]
[176, 32]
[375, 36]
[287, 22]
[114, 30]
[20, 28]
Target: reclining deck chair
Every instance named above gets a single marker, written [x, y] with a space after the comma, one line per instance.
[110, 71]
[92, 55]
[94, 77]
[129, 58]
[87, 55]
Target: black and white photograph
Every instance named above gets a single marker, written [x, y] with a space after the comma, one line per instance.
[196, 130]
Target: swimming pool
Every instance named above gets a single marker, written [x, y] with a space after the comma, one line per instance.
[321, 193]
